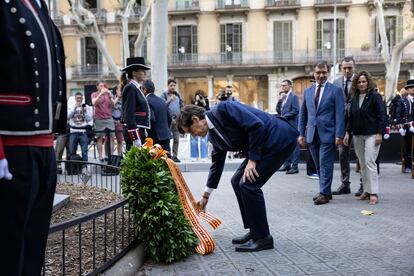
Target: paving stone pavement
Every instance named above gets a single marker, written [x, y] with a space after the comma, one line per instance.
[332, 239]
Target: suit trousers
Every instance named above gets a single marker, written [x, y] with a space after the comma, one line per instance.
[176, 137]
[250, 196]
[25, 209]
[293, 159]
[344, 162]
[323, 155]
[367, 153]
[407, 148]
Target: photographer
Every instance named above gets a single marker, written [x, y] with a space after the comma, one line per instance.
[80, 117]
[199, 145]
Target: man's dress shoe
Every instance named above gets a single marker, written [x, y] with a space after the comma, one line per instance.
[321, 199]
[292, 171]
[284, 168]
[319, 194]
[360, 190]
[254, 246]
[342, 190]
[242, 239]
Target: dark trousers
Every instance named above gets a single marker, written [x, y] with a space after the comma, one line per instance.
[310, 164]
[25, 209]
[250, 196]
[293, 159]
[323, 154]
[165, 144]
[407, 148]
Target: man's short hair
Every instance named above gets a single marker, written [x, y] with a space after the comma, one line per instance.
[78, 94]
[348, 59]
[288, 82]
[185, 118]
[229, 86]
[171, 80]
[149, 86]
[321, 64]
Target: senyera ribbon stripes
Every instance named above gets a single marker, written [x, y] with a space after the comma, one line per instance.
[187, 200]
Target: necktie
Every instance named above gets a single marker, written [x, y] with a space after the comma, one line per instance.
[318, 93]
[346, 88]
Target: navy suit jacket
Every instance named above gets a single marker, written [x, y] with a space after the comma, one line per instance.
[290, 109]
[160, 119]
[246, 129]
[328, 119]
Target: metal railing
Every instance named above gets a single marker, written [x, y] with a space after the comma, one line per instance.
[87, 71]
[331, 2]
[282, 3]
[279, 57]
[89, 244]
[184, 5]
[235, 4]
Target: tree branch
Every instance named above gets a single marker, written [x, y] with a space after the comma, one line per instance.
[385, 52]
[143, 30]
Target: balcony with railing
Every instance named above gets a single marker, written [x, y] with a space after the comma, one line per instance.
[277, 5]
[100, 15]
[331, 3]
[88, 71]
[387, 3]
[184, 7]
[279, 58]
[232, 6]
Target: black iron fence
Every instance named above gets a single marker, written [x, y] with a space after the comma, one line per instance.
[89, 244]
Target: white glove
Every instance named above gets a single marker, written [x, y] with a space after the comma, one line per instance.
[137, 143]
[4, 170]
[402, 131]
[412, 127]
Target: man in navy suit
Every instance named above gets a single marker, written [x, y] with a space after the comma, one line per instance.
[321, 120]
[267, 142]
[290, 111]
[160, 117]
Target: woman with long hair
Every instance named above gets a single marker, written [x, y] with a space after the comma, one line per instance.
[367, 125]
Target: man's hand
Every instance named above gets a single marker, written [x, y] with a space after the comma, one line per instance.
[173, 97]
[202, 203]
[137, 143]
[250, 172]
[4, 170]
[301, 141]
[338, 141]
[378, 139]
[346, 139]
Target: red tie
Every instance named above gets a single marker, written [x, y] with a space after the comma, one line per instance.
[318, 93]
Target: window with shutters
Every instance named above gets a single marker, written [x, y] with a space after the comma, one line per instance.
[184, 43]
[393, 30]
[91, 56]
[282, 39]
[91, 4]
[325, 36]
[131, 41]
[231, 42]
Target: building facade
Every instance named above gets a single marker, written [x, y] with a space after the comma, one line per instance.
[251, 45]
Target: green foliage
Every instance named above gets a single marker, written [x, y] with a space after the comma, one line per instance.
[156, 208]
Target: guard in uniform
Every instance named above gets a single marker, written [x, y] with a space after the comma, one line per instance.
[135, 108]
[32, 108]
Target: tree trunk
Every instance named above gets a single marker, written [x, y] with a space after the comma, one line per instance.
[143, 30]
[159, 32]
[125, 29]
[87, 21]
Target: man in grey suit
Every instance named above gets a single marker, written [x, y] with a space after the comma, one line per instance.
[290, 111]
[321, 120]
[345, 82]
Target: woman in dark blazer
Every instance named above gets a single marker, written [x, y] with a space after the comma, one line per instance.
[367, 125]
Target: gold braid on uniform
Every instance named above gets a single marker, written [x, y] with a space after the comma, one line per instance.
[206, 244]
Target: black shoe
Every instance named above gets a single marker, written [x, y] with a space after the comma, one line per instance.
[284, 168]
[292, 171]
[360, 191]
[254, 246]
[318, 194]
[342, 190]
[176, 160]
[242, 239]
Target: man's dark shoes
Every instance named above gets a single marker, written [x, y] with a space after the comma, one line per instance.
[321, 199]
[284, 168]
[242, 239]
[317, 195]
[176, 160]
[293, 170]
[254, 246]
[342, 190]
[360, 190]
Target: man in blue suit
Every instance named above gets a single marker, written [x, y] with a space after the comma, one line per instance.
[321, 120]
[267, 142]
[290, 111]
[160, 117]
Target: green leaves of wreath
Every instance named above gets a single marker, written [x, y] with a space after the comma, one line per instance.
[156, 208]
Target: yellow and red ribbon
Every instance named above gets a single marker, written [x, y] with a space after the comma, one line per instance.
[206, 244]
